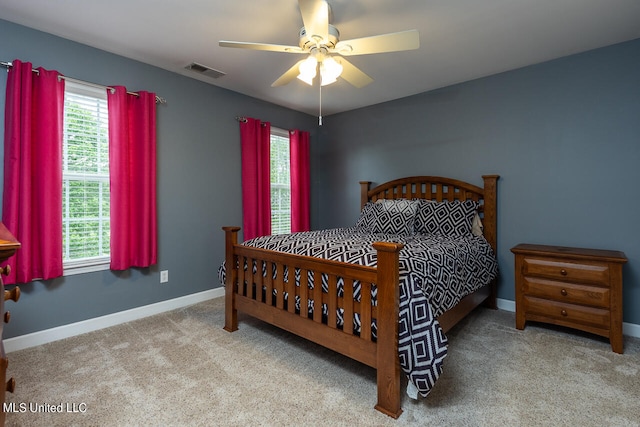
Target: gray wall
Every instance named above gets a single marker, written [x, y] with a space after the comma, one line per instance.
[563, 135]
[198, 181]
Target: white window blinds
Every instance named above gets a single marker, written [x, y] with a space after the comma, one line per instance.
[280, 182]
[85, 175]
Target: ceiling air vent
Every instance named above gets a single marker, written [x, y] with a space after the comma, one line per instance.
[204, 70]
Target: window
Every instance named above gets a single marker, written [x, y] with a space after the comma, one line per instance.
[85, 179]
[280, 182]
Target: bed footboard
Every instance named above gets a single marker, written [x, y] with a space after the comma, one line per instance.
[266, 285]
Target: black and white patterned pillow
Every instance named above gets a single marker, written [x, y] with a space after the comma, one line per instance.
[446, 218]
[395, 216]
[389, 216]
[367, 217]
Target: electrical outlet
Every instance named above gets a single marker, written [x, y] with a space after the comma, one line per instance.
[164, 276]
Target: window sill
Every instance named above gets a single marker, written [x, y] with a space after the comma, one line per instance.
[72, 268]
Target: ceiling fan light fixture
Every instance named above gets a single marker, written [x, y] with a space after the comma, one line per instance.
[308, 70]
[330, 70]
[324, 81]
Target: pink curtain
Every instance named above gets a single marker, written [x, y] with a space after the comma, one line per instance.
[255, 137]
[132, 171]
[32, 198]
[300, 188]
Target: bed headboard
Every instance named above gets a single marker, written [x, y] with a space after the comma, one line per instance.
[440, 189]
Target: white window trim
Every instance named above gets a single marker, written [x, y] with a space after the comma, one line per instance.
[282, 133]
[94, 264]
[88, 265]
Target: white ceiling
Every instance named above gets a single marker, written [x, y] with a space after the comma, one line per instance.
[460, 40]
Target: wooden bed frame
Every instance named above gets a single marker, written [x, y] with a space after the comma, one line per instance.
[243, 289]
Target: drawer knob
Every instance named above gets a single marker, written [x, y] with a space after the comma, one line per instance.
[13, 294]
[564, 292]
[563, 272]
[6, 270]
[7, 316]
[564, 313]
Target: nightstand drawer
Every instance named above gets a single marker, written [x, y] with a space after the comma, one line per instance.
[571, 293]
[567, 313]
[592, 272]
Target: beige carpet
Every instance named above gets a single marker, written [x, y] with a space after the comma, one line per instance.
[182, 369]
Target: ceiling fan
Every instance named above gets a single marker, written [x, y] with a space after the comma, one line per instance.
[320, 41]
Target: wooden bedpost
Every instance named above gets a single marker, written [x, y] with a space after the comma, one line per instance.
[364, 193]
[491, 210]
[388, 361]
[490, 223]
[230, 311]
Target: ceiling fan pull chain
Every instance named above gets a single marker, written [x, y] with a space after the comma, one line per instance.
[320, 115]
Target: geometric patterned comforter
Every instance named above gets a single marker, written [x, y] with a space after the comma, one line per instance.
[436, 272]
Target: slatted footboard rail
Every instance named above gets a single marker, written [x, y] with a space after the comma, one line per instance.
[253, 274]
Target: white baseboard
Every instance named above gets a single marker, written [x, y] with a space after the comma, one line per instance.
[506, 305]
[78, 328]
[629, 329]
[89, 325]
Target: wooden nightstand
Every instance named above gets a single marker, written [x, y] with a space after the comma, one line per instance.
[573, 287]
[8, 246]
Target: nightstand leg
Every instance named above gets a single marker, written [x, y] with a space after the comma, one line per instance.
[616, 342]
[615, 333]
[520, 321]
[616, 347]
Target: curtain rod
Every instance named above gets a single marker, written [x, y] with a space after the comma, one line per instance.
[159, 99]
[244, 120]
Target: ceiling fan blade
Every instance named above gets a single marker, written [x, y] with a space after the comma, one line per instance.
[353, 74]
[289, 75]
[261, 46]
[392, 42]
[315, 17]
